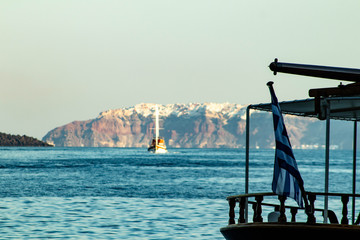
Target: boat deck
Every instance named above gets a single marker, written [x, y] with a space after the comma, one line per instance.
[287, 226]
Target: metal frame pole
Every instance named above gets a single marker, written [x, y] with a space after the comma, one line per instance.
[354, 171]
[247, 146]
[327, 156]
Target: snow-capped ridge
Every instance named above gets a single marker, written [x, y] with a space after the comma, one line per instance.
[178, 109]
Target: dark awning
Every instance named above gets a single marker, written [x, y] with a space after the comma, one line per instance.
[341, 108]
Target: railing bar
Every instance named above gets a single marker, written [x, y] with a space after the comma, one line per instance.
[314, 193]
[277, 205]
[252, 195]
[334, 194]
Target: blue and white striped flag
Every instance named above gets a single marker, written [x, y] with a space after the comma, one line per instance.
[287, 180]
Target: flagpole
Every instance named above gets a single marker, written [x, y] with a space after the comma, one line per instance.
[308, 209]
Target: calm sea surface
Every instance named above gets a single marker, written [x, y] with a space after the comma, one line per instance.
[115, 193]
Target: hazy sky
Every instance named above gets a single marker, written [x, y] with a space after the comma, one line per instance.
[65, 60]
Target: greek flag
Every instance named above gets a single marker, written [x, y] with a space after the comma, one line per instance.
[287, 180]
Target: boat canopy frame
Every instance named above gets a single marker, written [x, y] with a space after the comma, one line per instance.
[325, 108]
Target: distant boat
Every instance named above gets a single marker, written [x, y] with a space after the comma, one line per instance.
[157, 144]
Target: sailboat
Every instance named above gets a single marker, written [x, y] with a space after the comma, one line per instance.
[157, 144]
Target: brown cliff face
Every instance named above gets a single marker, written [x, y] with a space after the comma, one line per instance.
[193, 125]
[190, 126]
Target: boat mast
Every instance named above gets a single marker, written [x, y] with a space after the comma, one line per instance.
[156, 126]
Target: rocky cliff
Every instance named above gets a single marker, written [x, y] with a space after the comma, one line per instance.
[194, 125]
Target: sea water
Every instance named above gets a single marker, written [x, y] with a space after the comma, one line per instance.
[117, 193]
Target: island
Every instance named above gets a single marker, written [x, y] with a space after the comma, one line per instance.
[9, 140]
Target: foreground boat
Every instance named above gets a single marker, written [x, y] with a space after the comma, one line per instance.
[341, 103]
[157, 144]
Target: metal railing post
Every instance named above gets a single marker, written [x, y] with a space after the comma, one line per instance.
[327, 156]
[247, 146]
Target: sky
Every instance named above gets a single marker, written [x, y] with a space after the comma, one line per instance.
[66, 60]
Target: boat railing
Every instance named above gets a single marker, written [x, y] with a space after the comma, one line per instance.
[256, 201]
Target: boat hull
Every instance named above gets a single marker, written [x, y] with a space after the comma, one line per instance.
[158, 150]
[288, 230]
